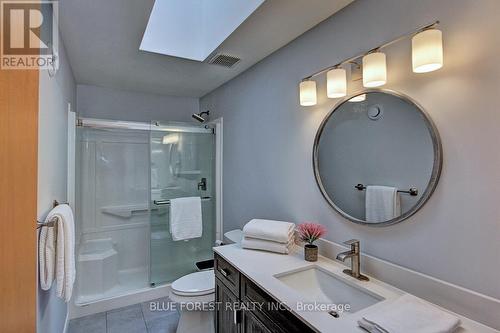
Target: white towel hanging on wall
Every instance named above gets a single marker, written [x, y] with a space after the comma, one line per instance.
[65, 252]
[46, 255]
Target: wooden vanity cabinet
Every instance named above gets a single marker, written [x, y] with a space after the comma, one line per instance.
[227, 318]
[243, 307]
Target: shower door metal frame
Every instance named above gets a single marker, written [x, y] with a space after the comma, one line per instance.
[214, 126]
[144, 126]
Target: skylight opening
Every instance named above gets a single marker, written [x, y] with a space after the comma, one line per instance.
[193, 29]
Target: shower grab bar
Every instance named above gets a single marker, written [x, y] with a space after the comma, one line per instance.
[167, 202]
[413, 191]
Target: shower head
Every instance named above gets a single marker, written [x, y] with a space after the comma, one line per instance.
[198, 116]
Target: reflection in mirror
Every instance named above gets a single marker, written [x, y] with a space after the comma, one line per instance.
[377, 160]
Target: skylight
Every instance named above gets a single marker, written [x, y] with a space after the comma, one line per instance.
[193, 29]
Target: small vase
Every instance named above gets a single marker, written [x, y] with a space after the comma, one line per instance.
[311, 252]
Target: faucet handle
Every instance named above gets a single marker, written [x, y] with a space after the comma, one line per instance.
[354, 243]
[351, 242]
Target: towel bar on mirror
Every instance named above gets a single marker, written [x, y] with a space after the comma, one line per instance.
[413, 191]
[167, 202]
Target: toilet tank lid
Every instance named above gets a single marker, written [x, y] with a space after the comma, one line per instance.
[234, 235]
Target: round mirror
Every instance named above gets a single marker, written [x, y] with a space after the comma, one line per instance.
[377, 157]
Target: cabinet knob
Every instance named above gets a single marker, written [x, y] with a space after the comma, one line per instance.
[224, 272]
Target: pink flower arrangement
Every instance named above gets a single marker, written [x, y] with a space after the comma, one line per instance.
[310, 232]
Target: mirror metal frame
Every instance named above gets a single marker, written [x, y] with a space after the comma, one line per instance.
[436, 169]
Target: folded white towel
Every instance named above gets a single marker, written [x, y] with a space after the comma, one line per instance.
[382, 203]
[265, 245]
[276, 231]
[185, 218]
[409, 314]
[65, 253]
[46, 256]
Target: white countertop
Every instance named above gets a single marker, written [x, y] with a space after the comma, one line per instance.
[261, 267]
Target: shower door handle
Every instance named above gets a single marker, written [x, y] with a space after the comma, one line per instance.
[202, 185]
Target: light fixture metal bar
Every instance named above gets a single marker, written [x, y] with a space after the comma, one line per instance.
[392, 41]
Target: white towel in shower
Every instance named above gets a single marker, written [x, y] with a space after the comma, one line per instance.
[65, 252]
[382, 203]
[185, 218]
[408, 314]
[46, 255]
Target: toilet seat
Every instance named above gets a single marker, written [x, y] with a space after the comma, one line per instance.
[195, 284]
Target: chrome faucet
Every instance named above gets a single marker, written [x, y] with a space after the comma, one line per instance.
[353, 254]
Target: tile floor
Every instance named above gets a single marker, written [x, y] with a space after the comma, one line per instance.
[135, 318]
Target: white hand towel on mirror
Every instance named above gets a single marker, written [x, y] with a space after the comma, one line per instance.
[409, 314]
[185, 218]
[46, 256]
[382, 203]
[265, 245]
[276, 231]
[65, 253]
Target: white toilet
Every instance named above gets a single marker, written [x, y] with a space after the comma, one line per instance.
[194, 294]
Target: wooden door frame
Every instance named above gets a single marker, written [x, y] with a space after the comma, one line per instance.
[18, 199]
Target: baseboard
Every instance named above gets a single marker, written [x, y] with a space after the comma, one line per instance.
[466, 302]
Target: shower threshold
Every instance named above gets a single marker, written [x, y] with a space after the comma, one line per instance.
[130, 297]
[129, 281]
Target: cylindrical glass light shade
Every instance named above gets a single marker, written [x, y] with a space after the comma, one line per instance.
[336, 83]
[427, 51]
[374, 70]
[359, 98]
[307, 93]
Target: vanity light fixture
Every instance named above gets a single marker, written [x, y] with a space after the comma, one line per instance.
[374, 70]
[336, 83]
[427, 51]
[427, 56]
[307, 93]
[359, 98]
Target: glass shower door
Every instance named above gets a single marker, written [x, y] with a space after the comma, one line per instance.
[182, 165]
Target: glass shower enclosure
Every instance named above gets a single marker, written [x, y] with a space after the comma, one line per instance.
[126, 175]
[182, 165]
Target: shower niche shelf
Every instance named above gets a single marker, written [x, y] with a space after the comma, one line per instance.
[125, 211]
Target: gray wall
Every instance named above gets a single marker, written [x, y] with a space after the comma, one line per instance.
[268, 137]
[106, 103]
[54, 95]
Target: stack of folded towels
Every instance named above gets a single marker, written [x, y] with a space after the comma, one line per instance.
[268, 235]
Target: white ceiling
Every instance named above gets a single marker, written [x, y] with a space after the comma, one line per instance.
[102, 39]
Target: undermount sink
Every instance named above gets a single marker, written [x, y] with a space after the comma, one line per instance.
[318, 285]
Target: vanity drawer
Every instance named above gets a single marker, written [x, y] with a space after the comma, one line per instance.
[229, 275]
[271, 311]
